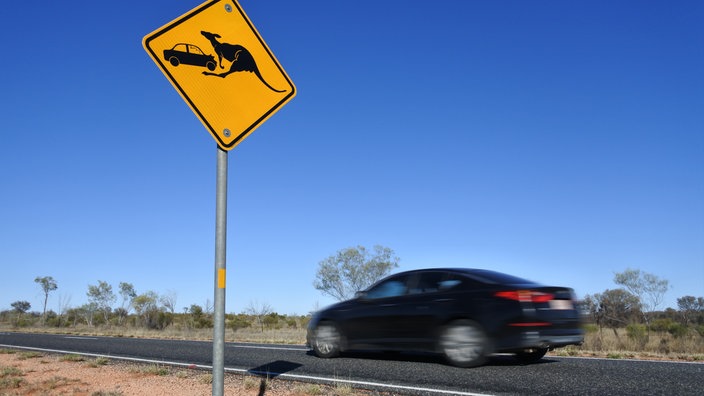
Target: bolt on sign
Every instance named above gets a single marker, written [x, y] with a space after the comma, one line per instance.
[223, 69]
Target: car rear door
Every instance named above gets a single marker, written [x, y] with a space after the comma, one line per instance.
[432, 298]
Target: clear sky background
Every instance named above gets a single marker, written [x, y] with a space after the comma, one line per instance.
[562, 141]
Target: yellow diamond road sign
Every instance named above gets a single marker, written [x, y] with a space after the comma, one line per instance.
[223, 69]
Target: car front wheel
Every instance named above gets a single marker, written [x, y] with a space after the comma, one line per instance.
[174, 61]
[531, 355]
[464, 343]
[326, 340]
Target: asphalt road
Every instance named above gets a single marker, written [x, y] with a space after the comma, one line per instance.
[400, 373]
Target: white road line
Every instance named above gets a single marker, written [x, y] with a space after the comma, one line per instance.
[366, 383]
[623, 359]
[243, 371]
[81, 338]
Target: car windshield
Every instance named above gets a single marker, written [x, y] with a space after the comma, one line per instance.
[499, 278]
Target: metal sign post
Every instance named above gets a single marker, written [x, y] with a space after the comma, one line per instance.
[220, 274]
[228, 76]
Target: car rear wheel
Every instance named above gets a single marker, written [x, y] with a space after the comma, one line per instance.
[464, 343]
[326, 340]
[531, 355]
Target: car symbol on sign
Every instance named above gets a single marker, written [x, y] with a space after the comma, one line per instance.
[189, 54]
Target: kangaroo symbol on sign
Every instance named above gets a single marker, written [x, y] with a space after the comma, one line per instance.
[242, 60]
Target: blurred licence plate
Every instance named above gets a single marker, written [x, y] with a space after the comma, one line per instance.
[561, 304]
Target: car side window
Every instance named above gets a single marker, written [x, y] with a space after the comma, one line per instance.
[194, 50]
[427, 283]
[448, 284]
[390, 288]
[431, 282]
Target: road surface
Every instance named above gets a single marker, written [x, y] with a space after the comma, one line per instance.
[398, 373]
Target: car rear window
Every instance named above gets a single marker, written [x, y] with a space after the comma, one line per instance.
[499, 278]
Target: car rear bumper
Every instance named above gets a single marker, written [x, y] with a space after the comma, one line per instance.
[535, 339]
[540, 339]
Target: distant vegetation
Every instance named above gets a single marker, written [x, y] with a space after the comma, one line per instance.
[626, 318]
[147, 311]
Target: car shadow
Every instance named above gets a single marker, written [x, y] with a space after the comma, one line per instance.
[274, 369]
[498, 360]
[510, 360]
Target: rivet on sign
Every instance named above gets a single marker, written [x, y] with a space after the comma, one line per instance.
[226, 132]
[228, 8]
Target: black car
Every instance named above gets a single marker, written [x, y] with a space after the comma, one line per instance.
[464, 314]
[189, 54]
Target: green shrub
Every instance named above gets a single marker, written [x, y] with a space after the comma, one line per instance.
[678, 330]
[700, 330]
[661, 325]
[271, 321]
[238, 322]
[637, 333]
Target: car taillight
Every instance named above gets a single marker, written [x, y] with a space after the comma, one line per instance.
[525, 296]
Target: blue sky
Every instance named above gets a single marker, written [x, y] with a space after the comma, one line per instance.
[559, 141]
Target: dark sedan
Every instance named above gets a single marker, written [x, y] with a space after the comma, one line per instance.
[463, 314]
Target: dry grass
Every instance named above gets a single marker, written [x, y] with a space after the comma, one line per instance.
[268, 336]
[618, 345]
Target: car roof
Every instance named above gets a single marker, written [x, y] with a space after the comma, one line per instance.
[483, 275]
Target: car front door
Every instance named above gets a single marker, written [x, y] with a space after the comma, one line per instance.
[376, 317]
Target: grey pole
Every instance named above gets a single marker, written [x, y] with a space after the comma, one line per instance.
[220, 245]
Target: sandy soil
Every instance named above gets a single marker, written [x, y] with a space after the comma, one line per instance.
[35, 374]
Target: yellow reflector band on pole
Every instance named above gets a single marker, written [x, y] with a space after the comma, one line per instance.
[221, 278]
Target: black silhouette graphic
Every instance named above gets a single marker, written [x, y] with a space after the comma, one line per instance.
[241, 59]
[189, 54]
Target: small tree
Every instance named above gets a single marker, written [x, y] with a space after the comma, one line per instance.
[259, 310]
[613, 308]
[145, 305]
[103, 298]
[353, 269]
[199, 319]
[690, 307]
[64, 304]
[649, 289]
[128, 294]
[168, 300]
[87, 311]
[48, 284]
[21, 307]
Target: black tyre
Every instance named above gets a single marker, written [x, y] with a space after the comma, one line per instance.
[464, 344]
[174, 61]
[326, 340]
[531, 355]
[210, 66]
